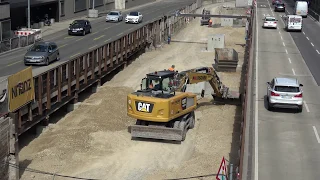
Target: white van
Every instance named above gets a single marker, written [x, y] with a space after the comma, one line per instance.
[293, 23]
[301, 8]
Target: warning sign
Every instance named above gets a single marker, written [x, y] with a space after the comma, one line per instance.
[222, 173]
[20, 89]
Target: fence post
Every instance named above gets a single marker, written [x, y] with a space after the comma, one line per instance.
[231, 172]
[14, 148]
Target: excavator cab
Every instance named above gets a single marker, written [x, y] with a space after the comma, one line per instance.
[158, 82]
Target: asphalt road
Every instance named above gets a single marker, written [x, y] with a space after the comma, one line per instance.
[287, 144]
[102, 32]
[308, 42]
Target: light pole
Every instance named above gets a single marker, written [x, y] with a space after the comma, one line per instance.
[92, 4]
[29, 14]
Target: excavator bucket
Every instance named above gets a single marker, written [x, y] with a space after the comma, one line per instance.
[156, 132]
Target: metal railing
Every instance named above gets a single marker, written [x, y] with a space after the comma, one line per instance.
[17, 42]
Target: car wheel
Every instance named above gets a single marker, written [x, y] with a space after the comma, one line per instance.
[58, 57]
[90, 30]
[300, 109]
[47, 62]
[84, 33]
[269, 106]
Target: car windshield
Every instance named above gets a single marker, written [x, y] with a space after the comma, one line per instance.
[39, 48]
[77, 23]
[270, 19]
[133, 14]
[113, 13]
[280, 4]
[287, 89]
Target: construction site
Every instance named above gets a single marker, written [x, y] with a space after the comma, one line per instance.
[94, 142]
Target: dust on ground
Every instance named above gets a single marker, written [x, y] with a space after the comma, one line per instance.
[93, 140]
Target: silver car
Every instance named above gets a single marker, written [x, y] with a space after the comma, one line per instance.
[285, 93]
[42, 53]
[114, 16]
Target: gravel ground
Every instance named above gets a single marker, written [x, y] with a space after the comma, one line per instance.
[93, 141]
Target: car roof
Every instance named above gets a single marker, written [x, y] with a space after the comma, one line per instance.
[286, 81]
[80, 20]
[294, 16]
[162, 74]
[44, 43]
[270, 17]
[114, 11]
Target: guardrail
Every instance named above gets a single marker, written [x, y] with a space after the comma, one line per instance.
[63, 83]
[17, 42]
[245, 88]
[313, 14]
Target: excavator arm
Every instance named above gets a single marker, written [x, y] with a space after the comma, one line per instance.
[207, 74]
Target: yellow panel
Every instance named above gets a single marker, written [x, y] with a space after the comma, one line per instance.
[21, 89]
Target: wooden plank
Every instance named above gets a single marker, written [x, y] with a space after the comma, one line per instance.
[40, 95]
[85, 59]
[77, 61]
[111, 54]
[100, 50]
[69, 77]
[48, 90]
[93, 62]
[59, 82]
[105, 57]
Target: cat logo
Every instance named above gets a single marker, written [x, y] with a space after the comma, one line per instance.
[144, 107]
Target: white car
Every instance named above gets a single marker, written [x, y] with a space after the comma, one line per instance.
[284, 93]
[134, 17]
[270, 22]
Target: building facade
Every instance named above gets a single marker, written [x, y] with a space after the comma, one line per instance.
[5, 21]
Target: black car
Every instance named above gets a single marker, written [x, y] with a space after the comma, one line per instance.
[280, 7]
[80, 27]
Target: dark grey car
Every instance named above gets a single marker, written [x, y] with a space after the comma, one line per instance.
[280, 7]
[42, 53]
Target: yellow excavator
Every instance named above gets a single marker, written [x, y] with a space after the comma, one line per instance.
[163, 108]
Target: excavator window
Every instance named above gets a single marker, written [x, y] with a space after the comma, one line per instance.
[157, 84]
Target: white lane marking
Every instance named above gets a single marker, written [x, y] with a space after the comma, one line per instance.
[279, 32]
[289, 60]
[303, 33]
[306, 105]
[92, 47]
[308, 38]
[281, 37]
[286, 51]
[270, 8]
[312, 44]
[288, 12]
[318, 52]
[294, 73]
[316, 133]
[256, 133]
[283, 44]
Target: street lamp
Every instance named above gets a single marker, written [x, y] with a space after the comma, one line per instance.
[29, 14]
